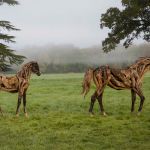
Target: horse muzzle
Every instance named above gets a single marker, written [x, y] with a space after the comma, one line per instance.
[38, 73]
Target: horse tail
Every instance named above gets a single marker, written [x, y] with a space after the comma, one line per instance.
[88, 76]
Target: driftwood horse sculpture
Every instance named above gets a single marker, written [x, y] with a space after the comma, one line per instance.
[19, 83]
[119, 79]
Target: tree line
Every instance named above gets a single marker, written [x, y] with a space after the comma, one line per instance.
[68, 58]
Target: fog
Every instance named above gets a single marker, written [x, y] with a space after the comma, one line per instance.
[69, 54]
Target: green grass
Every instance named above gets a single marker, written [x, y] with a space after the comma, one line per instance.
[59, 119]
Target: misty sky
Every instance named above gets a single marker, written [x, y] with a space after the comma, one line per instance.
[58, 21]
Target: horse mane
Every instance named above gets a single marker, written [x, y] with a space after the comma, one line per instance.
[140, 60]
[25, 71]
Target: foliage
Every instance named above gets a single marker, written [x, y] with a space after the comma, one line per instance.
[133, 21]
[59, 119]
[7, 55]
[10, 2]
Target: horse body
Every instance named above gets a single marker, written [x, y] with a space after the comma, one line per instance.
[9, 84]
[119, 79]
[19, 83]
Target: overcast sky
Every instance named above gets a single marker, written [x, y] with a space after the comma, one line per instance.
[58, 21]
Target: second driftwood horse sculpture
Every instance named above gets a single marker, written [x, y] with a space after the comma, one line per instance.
[19, 83]
[119, 79]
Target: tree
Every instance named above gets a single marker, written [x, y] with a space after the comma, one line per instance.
[7, 55]
[130, 23]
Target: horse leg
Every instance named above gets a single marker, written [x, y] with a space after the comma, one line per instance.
[18, 105]
[141, 103]
[139, 92]
[93, 99]
[100, 97]
[24, 104]
[133, 93]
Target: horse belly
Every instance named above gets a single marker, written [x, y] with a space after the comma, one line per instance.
[14, 90]
[118, 85]
[115, 87]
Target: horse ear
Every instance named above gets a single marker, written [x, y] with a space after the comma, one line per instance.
[36, 62]
[108, 66]
[33, 62]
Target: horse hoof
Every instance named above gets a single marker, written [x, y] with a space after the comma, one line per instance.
[139, 113]
[104, 114]
[132, 113]
[91, 114]
[17, 115]
[26, 115]
[1, 113]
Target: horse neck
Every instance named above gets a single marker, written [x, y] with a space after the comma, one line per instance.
[142, 67]
[25, 73]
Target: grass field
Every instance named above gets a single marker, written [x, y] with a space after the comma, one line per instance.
[59, 119]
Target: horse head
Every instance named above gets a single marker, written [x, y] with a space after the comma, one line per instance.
[35, 68]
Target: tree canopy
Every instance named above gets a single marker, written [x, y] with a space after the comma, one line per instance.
[7, 55]
[129, 23]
